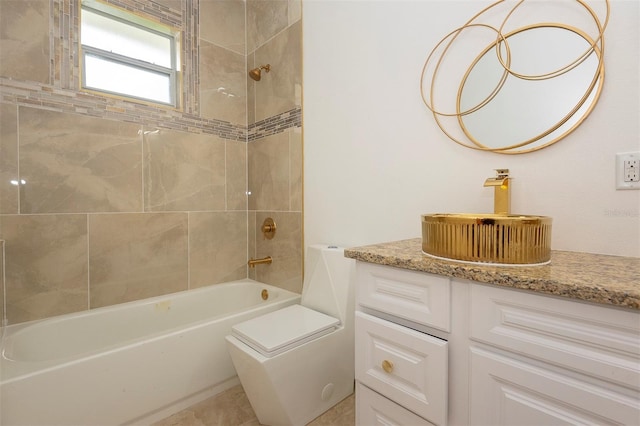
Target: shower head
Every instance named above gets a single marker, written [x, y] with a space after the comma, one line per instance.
[256, 73]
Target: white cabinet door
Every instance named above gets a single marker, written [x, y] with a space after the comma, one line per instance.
[404, 365]
[511, 392]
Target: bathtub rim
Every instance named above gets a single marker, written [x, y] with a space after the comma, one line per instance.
[13, 370]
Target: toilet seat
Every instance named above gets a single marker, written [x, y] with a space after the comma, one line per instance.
[278, 331]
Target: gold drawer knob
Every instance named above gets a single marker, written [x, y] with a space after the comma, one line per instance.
[387, 366]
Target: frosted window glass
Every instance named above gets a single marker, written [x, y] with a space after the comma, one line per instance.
[119, 78]
[124, 39]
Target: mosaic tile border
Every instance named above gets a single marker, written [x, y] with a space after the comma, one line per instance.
[190, 56]
[42, 96]
[63, 39]
[275, 124]
[38, 95]
[162, 13]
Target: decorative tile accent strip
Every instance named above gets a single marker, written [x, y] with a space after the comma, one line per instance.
[64, 68]
[38, 95]
[42, 96]
[166, 15]
[275, 124]
[190, 57]
[55, 15]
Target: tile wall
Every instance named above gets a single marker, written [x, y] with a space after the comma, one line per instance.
[122, 200]
[274, 29]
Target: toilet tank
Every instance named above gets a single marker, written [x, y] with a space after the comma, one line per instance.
[328, 285]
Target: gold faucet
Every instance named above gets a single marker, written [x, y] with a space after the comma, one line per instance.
[253, 262]
[501, 191]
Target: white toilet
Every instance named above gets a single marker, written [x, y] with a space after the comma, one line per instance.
[296, 363]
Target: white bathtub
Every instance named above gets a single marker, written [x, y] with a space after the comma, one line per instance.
[133, 363]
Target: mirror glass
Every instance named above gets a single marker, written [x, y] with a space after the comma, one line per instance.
[539, 111]
[517, 77]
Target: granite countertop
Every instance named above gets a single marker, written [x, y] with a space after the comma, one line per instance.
[612, 280]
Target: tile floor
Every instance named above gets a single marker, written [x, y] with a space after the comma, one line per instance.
[232, 408]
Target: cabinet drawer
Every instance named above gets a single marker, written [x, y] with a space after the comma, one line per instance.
[407, 366]
[598, 341]
[415, 296]
[373, 409]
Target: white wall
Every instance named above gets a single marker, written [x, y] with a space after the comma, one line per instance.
[375, 159]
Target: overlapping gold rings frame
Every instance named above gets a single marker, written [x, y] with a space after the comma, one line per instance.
[503, 54]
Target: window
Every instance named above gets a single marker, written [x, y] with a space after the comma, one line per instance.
[126, 55]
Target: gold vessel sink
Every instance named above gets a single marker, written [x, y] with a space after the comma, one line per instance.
[506, 239]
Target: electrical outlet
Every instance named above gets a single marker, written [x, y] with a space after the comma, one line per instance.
[631, 171]
[628, 170]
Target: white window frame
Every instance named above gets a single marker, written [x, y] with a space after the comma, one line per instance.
[133, 62]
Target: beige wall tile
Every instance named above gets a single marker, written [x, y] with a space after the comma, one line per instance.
[2, 286]
[135, 256]
[265, 19]
[24, 40]
[46, 265]
[285, 249]
[80, 164]
[251, 90]
[295, 164]
[183, 171]
[278, 92]
[251, 244]
[236, 167]
[74, 163]
[8, 158]
[295, 11]
[222, 84]
[222, 23]
[217, 247]
[269, 173]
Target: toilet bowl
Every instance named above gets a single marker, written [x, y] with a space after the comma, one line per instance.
[297, 362]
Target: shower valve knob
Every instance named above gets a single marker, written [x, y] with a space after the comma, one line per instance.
[269, 228]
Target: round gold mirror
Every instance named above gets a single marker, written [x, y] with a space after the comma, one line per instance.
[553, 107]
[518, 90]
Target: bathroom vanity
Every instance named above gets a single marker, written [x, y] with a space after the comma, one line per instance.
[442, 342]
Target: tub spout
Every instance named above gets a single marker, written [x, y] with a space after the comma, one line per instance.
[501, 191]
[253, 262]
